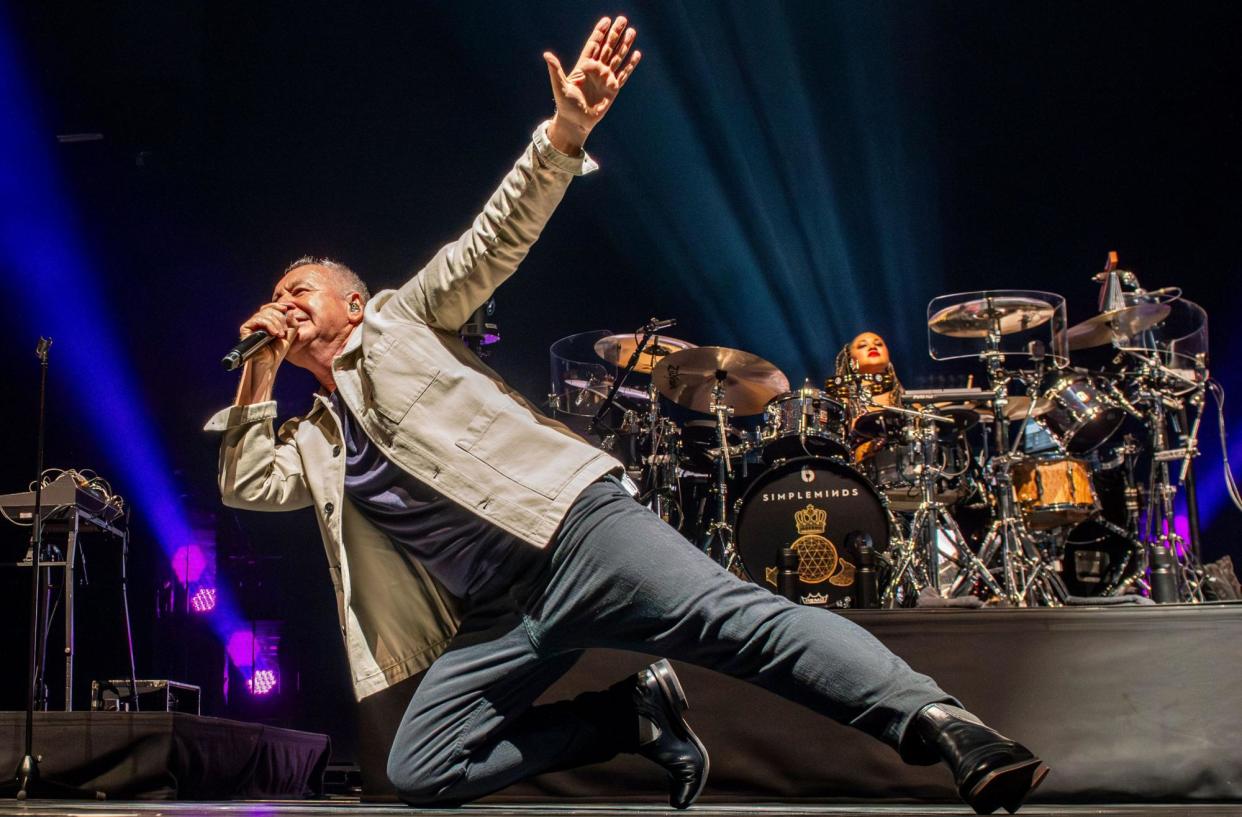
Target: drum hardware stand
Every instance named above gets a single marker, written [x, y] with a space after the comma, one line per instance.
[920, 553]
[1163, 545]
[1007, 539]
[719, 529]
[1189, 437]
[659, 482]
[26, 782]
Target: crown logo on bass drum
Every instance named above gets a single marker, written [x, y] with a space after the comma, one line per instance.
[811, 520]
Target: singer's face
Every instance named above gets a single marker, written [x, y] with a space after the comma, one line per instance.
[870, 352]
[320, 311]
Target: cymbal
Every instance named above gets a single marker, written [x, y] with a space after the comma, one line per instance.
[687, 377]
[617, 350]
[1118, 323]
[973, 319]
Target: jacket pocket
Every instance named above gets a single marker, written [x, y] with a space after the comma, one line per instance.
[398, 377]
[514, 446]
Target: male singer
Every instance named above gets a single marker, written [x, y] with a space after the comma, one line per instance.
[465, 528]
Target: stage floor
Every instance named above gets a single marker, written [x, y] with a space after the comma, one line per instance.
[352, 808]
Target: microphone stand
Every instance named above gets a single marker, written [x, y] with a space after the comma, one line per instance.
[26, 782]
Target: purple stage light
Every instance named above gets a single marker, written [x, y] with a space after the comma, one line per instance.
[189, 562]
[1181, 526]
[262, 682]
[240, 648]
[203, 600]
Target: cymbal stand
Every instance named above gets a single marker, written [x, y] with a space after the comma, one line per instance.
[659, 463]
[719, 529]
[921, 552]
[1025, 575]
[1162, 542]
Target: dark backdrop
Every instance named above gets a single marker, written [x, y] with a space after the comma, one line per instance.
[778, 176]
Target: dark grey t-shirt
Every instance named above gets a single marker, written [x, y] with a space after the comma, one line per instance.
[461, 550]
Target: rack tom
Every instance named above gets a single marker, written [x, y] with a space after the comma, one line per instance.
[1083, 414]
[805, 422]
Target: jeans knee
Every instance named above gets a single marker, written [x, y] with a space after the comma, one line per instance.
[420, 783]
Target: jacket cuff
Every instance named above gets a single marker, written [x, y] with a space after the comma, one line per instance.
[578, 165]
[235, 416]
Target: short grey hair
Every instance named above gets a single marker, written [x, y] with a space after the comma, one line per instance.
[346, 277]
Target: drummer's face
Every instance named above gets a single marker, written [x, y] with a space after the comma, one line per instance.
[870, 353]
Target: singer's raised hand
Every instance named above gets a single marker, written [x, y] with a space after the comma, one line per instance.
[586, 93]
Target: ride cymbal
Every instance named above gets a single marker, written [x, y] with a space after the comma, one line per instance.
[688, 378]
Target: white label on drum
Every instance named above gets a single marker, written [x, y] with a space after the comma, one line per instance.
[808, 475]
[825, 493]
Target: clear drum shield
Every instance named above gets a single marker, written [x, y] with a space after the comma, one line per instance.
[1020, 322]
[580, 378]
[1179, 343]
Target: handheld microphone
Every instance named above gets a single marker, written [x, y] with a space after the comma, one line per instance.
[244, 348]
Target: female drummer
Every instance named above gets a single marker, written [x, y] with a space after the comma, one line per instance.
[863, 369]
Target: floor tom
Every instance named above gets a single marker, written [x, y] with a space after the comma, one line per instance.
[1054, 492]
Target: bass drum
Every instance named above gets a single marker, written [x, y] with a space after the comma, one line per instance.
[811, 505]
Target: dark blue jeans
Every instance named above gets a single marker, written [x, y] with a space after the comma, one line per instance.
[617, 576]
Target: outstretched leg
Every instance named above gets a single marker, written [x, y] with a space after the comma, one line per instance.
[621, 578]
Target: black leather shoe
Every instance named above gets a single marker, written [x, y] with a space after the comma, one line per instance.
[990, 770]
[665, 737]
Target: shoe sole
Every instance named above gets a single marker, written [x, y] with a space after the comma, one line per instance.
[673, 693]
[1007, 786]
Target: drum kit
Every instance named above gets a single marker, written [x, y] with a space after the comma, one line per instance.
[1050, 484]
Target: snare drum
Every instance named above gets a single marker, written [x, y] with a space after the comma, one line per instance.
[1083, 414]
[806, 422]
[1055, 492]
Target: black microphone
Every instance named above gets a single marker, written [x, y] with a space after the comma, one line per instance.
[655, 325]
[245, 347]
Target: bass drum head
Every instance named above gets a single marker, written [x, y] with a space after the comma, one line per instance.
[811, 505]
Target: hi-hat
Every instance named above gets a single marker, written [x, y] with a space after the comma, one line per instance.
[974, 319]
[688, 378]
[618, 349]
[1119, 324]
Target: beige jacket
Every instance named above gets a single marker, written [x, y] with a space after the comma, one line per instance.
[436, 411]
